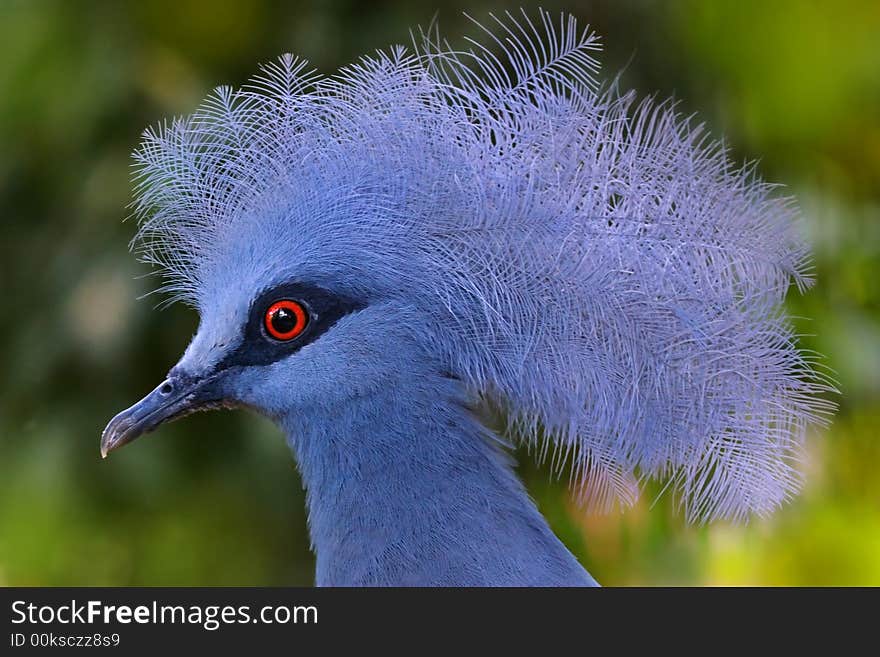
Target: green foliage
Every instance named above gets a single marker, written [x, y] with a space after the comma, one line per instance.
[216, 499]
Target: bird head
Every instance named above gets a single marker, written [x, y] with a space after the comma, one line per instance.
[292, 316]
[597, 267]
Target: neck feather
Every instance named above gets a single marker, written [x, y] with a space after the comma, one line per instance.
[406, 487]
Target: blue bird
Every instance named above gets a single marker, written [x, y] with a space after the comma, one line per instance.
[381, 257]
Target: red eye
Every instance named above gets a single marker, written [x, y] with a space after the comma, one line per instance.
[285, 319]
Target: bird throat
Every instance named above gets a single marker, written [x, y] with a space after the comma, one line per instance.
[406, 487]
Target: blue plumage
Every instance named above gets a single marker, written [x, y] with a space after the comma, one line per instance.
[514, 235]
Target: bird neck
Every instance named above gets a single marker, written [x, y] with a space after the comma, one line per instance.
[405, 487]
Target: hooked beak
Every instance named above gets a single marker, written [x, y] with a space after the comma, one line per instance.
[176, 396]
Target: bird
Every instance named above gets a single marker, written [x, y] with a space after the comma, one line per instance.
[436, 254]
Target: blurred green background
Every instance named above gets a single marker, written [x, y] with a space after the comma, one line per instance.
[215, 499]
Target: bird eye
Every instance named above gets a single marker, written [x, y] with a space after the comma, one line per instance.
[285, 319]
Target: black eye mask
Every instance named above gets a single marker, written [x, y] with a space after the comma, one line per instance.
[324, 309]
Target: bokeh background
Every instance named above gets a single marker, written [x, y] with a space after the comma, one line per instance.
[216, 499]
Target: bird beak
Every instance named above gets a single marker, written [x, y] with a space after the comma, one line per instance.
[173, 398]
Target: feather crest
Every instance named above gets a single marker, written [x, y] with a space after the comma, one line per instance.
[599, 267]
